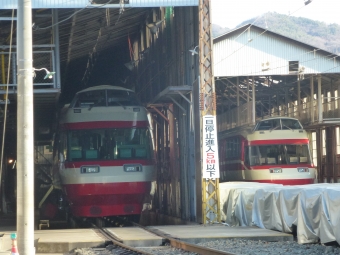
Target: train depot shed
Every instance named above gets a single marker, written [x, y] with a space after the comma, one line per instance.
[163, 51]
[146, 46]
[261, 74]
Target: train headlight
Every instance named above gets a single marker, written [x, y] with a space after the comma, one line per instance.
[303, 169]
[133, 168]
[275, 170]
[89, 169]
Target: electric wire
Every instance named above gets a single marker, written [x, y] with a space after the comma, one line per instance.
[6, 98]
[248, 28]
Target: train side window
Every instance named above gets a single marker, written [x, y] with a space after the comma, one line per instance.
[293, 160]
[246, 155]
[271, 161]
[303, 160]
[125, 153]
[122, 97]
[290, 124]
[91, 154]
[273, 124]
[140, 153]
[75, 154]
[89, 99]
[233, 149]
[254, 155]
[254, 161]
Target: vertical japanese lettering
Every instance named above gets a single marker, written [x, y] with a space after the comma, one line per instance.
[210, 148]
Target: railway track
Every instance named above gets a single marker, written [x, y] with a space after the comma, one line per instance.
[170, 243]
[189, 247]
[117, 246]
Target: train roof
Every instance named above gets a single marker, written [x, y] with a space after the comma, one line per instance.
[104, 87]
[284, 117]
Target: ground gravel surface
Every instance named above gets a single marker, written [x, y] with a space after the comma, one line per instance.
[236, 246]
[109, 250]
[249, 247]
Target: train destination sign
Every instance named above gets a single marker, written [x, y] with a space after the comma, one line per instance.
[210, 148]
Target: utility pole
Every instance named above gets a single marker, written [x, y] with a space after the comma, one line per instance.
[25, 140]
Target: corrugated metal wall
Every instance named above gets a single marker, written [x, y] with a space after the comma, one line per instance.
[166, 62]
[270, 55]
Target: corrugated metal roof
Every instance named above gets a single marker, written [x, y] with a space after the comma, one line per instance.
[84, 34]
[252, 50]
[12, 4]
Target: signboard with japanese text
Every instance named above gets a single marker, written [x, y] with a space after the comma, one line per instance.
[210, 161]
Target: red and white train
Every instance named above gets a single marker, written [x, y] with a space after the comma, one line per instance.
[275, 151]
[106, 157]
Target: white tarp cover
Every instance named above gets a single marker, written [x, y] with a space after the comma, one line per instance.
[313, 211]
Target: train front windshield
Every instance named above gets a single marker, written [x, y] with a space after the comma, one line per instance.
[109, 144]
[277, 154]
[100, 98]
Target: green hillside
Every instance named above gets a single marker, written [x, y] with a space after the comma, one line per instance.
[316, 33]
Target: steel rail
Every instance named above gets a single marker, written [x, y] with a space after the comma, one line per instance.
[117, 242]
[175, 243]
[196, 248]
[185, 245]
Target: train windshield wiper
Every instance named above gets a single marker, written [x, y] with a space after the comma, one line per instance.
[287, 127]
[120, 104]
[274, 128]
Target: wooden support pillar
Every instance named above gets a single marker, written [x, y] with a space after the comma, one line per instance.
[334, 176]
[337, 161]
[320, 109]
[269, 105]
[319, 155]
[332, 99]
[330, 154]
[238, 101]
[286, 102]
[312, 99]
[248, 100]
[298, 98]
[278, 101]
[253, 102]
[338, 88]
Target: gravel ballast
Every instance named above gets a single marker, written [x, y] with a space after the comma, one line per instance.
[236, 246]
[250, 247]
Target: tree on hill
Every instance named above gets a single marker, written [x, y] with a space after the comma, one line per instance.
[316, 33]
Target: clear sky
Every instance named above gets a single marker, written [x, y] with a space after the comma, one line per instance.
[230, 13]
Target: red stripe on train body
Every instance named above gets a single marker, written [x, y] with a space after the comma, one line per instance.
[106, 199]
